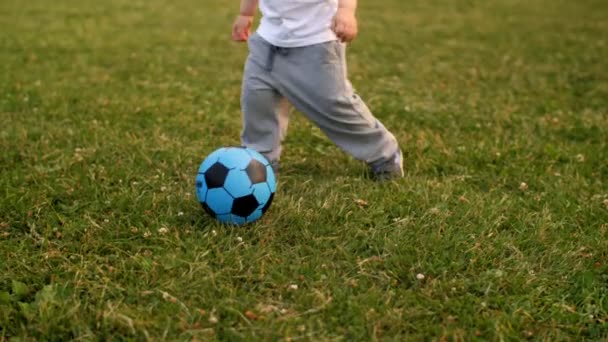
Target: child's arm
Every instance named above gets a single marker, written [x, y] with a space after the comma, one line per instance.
[241, 29]
[345, 21]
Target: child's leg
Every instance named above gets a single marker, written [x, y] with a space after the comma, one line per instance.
[314, 80]
[265, 118]
[265, 111]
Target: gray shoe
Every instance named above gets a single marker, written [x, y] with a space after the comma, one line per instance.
[389, 169]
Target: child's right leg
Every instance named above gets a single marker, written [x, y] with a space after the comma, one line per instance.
[265, 111]
[265, 118]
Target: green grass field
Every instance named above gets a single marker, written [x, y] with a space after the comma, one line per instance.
[108, 107]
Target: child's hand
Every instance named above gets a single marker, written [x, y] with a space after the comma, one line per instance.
[345, 25]
[241, 30]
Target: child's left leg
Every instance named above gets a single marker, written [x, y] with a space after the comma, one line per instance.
[314, 80]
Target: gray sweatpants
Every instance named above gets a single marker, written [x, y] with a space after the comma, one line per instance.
[313, 79]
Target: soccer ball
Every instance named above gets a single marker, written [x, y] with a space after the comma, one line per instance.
[235, 185]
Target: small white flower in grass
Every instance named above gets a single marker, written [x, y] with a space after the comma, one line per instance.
[483, 304]
[213, 319]
[293, 287]
[580, 158]
[106, 220]
[214, 233]
[361, 203]
[181, 213]
[163, 231]
[147, 234]
[523, 186]
[239, 239]
[163, 188]
[419, 276]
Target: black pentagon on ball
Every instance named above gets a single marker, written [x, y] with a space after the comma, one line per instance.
[216, 175]
[268, 203]
[207, 209]
[256, 172]
[244, 206]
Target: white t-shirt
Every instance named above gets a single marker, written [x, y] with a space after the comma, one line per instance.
[294, 23]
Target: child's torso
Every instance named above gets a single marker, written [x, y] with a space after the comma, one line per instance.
[291, 23]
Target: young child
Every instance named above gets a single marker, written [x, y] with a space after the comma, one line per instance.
[298, 56]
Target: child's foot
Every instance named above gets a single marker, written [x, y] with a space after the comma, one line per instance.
[275, 166]
[390, 169]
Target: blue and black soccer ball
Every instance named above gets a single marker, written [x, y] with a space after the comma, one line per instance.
[235, 185]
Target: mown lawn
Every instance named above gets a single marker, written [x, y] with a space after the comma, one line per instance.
[499, 230]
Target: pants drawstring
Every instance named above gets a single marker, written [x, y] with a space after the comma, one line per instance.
[271, 54]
